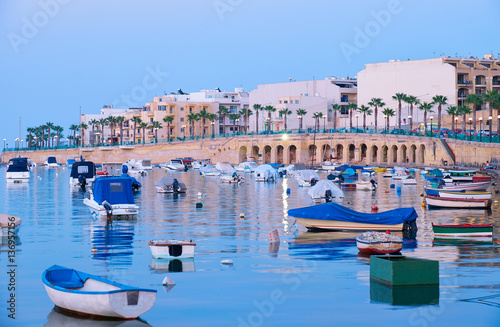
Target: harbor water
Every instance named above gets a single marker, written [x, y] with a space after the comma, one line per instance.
[307, 279]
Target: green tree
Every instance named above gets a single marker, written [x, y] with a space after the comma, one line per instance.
[74, 128]
[335, 108]
[58, 129]
[103, 122]
[300, 114]
[143, 126]
[155, 125]
[399, 97]
[388, 113]
[490, 97]
[93, 123]
[365, 111]
[285, 112]
[317, 116]
[376, 103]
[257, 107]
[223, 111]
[426, 107]
[137, 121]
[440, 100]
[411, 100]
[476, 100]
[452, 111]
[213, 118]
[269, 109]
[203, 115]
[234, 117]
[168, 120]
[83, 128]
[463, 111]
[192, 118]
[246, 112]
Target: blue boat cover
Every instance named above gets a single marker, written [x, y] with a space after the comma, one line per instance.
[115, 190]
[51, 160]
[344, 167]
[350, 172]
[334, 211]
[435, 173]
[17, 165]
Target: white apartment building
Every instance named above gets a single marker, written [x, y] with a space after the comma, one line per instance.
[312, 96]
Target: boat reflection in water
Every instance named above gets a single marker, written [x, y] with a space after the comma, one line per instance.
[404, 294]
[59, 317]
[323, 245]
[114, 241]
[172, 265]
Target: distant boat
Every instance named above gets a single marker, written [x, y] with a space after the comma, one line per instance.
[82, 173]
[199, 163]
[234, 178]
[378, 243]
[162, 249]
[51, 162]
[9, 223]
[437, 201]
[110, 169]
[476, 186]
[307, 177]
[111, 197]
[265, 173]
[462, 231]
[18, 171]
[247, 166]
[362, 185]
[333, 216]
[465, 195]
[325, 191]
[83, 293]
[410, 180]
[174, 165]
[170, 185]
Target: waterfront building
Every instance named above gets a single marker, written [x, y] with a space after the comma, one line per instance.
[312, 96]
[454, 78]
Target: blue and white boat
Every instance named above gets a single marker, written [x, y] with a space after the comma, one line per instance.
[82, 173]
[333, 216]
[18, 171]
[111, 197]
[51, 162]
[83, 293]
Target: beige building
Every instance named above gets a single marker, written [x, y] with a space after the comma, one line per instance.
[454, 78]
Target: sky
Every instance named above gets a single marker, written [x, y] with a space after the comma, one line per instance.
[57, 56]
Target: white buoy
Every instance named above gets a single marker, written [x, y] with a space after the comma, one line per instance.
[274, 236]
[227, 262]
[168, 281]
[200, 194]
[242, 215]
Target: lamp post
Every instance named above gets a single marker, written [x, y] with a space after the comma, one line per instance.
[22, 143]
[267, 124]
[431, 118]
[34, 138]
[455, 128]
[470, 128]
[300, 121]
[410, 121]
[357, 126]
[480, 129]
[237, 125]
[490, 120]
[17, 143]
[385, 122]
[213, 124]
[4, 143]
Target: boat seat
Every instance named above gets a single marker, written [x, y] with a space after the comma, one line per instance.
[65, 278]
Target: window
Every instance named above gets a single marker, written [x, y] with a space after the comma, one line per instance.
[171, 109]
[182, 108]
[161, 99]
[150, 120]
[162, 108]
[182, 118]
[286, 101]
[233, 109]
[190, 109]
[281, 101]
[296, 101]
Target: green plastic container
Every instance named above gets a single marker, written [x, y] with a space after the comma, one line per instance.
[397, 270]
[404, 295]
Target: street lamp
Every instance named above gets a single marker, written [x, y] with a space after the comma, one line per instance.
[22, 143]
[410, 121]
[34, 138]
[17, 143]
[480, 129]
[267, 124]
[213, 124]
[4, 143]
[237, 124]
[455, 129]
[490, 120]
[300, 121]
[470, 128]
[431, 118]
[385, 121]
[357, 126]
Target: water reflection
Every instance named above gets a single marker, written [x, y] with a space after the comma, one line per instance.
[113, 241]
[58, 317]
[323, 245]
[404, 295]
[172, 265]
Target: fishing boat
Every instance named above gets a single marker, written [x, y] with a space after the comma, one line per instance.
[437, 201]
[199, 163]
[83, 293]
[51, 162]
[82, 173]
[325, 191]
[477, 186]
[410, 180]
[379, 243]
[18, 171]
[163, 249]
[364, 185]
[232, 179]
[247, 166]
[110, 169]
[465, 195]
[111, 197]
[400, 173]
[9, 224]
[307, 177]
[462, 231]
[170, 185]
[265, 173]
[333, 216]
[434, 174]
[462, 175]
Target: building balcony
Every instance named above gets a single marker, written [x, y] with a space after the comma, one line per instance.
[464, 82]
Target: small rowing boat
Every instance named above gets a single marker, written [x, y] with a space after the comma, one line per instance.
[379, 243]
[161, 249]
[437, 201]
[461, 231]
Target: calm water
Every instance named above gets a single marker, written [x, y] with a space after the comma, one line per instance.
[310, 279]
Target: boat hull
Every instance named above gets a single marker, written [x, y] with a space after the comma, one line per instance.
[465, 195]
[17, 177]
[462, 231]
[118, 210]
[171, 249]
[345, 225]
[436, 201]
[379, 247]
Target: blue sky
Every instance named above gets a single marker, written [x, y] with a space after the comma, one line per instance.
[59, 55]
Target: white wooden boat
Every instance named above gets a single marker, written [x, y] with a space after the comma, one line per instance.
[479, 186]
[163, 249]
[234, 178]
[9, 224]
[174, 165]
[111, 197]
[170, 185]
[378, 243]
[465, 195]
[370, 185]
[83, 293]
[410, 180]
[18, 171]
[437, 201]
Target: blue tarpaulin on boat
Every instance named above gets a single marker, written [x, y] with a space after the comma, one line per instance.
[334, 211]
[17, 165]
[344, 167]
[115, 190]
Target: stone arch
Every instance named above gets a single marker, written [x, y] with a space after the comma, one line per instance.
[325, 152]
[242, 156]
[413, 153]
[292, 150]
[340, 152]
[267, 154]
[312, 153]
[352, 149]
[363, 152]
[279, 154]
[421, 154]
[393, 156]
[255, 152]
[374, 155]
[404, 154]
[385, 153]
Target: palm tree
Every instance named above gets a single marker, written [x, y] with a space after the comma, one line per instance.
[317, 116]
[388, 113]
[490, 97]
[246, 112]
[452, 111]
[495, 104]
[269, 109]
[112, 120]
[103, 122]
[74, 128]
[399, 97]
[476, 100]
[213, 118]
[29, 137]
[93, 123]
[439, 100]
[83, 127]
[58, 129]
[143, 126]
[351, 107]
[335, 107]
[301, 113]
[426, 107]
[285, 112]
[223, 111]
[191, 118]
[168, 120]
[120, 120]
[49, 125]
[463, 110]
[137, 120]
[156, 126]
[203, 114]
[411, 100]
[234, 117]
[365, 111]
[376, 103]
[257, 107]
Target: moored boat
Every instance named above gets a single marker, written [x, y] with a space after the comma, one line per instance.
[9, 224]
[333, 216]
[325, 191]
[465, 195]
[162, 249]
[18, 171]
[83, 293]
[170, 185]
[82, 173]
[265, 173]
[378, 243]
[51, 162]
[111, 197]
[437, 201]
[462, 231]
